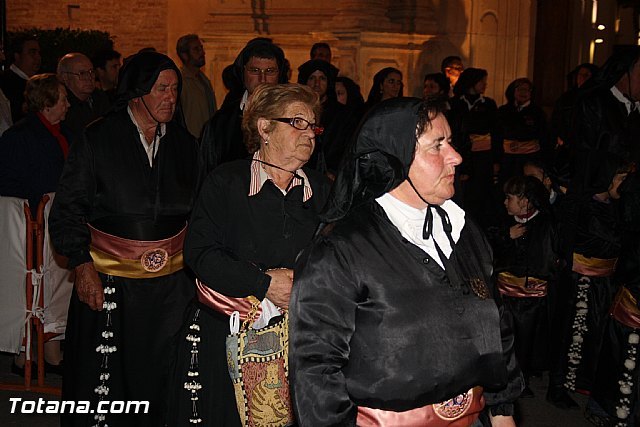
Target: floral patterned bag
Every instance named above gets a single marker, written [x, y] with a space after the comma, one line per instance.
[258, 366]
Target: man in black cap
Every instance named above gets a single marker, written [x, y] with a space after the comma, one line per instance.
[260, 62]
[119, 215]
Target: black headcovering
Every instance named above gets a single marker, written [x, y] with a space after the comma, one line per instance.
[139, 74]
[615, 68]
[313, 65]
[261, 48]
[379, 158]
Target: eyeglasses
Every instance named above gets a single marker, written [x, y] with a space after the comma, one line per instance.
[301, 124]
[83, 75]
[254, 71]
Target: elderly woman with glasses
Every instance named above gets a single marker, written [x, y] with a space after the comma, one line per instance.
[252, 218]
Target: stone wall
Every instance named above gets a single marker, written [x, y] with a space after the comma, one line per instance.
[365, 35]
[134, 24]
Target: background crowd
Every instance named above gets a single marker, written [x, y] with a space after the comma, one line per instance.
[558, 197]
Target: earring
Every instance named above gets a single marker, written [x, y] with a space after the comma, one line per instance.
[266, 141]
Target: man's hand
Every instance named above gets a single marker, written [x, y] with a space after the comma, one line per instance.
[89, 286]
[279, 290]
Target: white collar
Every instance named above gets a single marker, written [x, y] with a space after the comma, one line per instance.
[472, 104]
[523, 106]
[245, 97]
[148, 146]
[521, 220]
[626, 101]
[18, 71]
[410, 222]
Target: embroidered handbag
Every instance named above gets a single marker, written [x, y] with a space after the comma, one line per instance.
[258, 366]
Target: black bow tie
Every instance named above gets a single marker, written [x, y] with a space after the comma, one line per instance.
[427, 229]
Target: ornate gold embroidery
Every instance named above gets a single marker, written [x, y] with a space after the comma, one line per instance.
[479, 288]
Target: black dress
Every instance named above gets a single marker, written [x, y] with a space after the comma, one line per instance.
[597, 236]
[232, 240]
[533, 255]
[519, 125]
[31, 160]
[108, 182]
[472, 115]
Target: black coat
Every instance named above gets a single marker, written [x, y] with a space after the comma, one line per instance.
[82, 113]
[107, 181]
[376, 322]
[13, 88]
[221, 139]
[602, 140]
[31, 160]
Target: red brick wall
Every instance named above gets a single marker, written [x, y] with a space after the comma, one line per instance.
[133, 24]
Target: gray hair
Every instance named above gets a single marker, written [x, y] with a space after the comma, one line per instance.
[65, 63]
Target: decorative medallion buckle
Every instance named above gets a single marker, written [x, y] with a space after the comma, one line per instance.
[154, 260]
[454, 408]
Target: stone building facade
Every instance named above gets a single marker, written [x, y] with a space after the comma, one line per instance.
[365, 35]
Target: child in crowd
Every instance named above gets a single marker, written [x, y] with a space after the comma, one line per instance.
[527, 264]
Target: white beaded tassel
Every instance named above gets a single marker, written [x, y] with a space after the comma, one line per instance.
[193, 374]
[579, 328]
[623, 409]
[105, 348]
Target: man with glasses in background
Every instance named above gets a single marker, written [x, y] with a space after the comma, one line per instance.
[259, 62]
[76, 71]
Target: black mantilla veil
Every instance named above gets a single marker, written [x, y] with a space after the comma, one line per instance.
[378, 159]
[140, 73]
[618, 64]
[313, 65]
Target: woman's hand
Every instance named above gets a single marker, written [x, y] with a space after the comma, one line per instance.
[89, 286]
[517, 231]
[502, 421]
[279, 290]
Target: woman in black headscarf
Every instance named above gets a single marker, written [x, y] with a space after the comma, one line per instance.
[394, 307]
[387, 83]
[337, 120]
